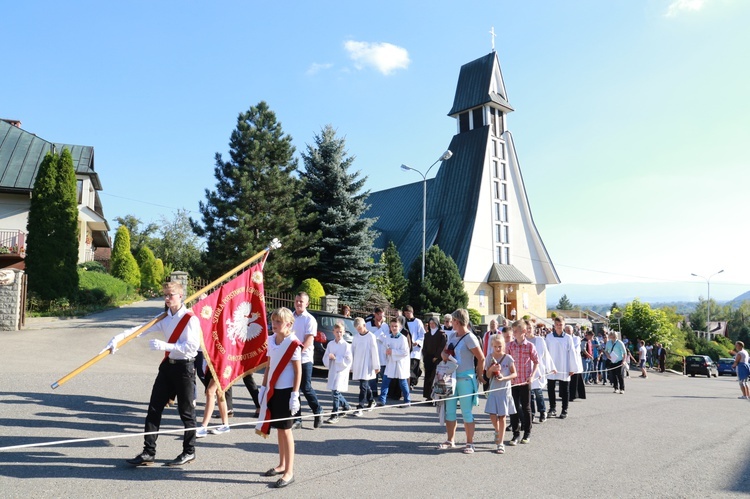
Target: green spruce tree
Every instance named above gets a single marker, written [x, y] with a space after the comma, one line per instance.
[334, 212]
[442, 290]
[122, 263]
[564, 303]
[391, 282]
[52, 245]
[147, 266]
[256, 199]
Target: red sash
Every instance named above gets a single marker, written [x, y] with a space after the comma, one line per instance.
[265, 416]
[179, 328]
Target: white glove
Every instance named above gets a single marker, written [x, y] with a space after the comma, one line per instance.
[261, 393]
[112, 345]
[161, 345]
[294, 406]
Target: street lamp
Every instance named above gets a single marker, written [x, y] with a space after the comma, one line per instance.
[446, 155]
[708, 299]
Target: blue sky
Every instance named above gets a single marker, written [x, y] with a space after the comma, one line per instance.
[630, 123]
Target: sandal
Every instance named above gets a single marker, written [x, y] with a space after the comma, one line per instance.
[500, 449]
[446, 445]
[468, 449]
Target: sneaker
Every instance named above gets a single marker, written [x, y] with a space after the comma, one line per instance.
[622, 392]
[332, 420]
[743, 397]
[616, 391]
[201, 432]
[542, 418]
[404, 405]
[296, 425]
[220, 430]
[526, 438]
[379, 404]
[514, 441]
[358, 413]
[370, 405]
[551, 414]
[563, 414]
[318, 421]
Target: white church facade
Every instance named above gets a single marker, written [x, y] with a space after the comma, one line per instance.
[477, 208]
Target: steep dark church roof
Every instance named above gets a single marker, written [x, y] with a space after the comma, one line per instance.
[474, 86]
[450, 217]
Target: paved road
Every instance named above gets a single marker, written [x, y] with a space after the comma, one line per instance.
[668, 436]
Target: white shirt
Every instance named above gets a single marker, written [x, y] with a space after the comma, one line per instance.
[642, 353]
[305, 325]
[381, 333]
[365, 357]
[416, 328]
[189, 342]
[562, 354]
[546, 365]
[275, 353]
[338, 369]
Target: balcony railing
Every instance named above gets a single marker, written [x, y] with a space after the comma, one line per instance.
[12, 242]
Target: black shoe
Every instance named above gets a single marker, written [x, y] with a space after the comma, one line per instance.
[143, 459]
[273, 472]
[552, 413]
[296, 425]
[542, 418]
[526, 438]
[317, 424]
[508, 428]
[183, 458]
[281, 483]
[515, 440]
[563, 414]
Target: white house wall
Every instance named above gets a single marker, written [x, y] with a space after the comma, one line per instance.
[14, 211]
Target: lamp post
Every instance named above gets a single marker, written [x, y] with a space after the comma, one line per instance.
[446, 155]
[708, 299]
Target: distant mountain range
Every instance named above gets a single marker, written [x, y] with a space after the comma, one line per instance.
[625, 292]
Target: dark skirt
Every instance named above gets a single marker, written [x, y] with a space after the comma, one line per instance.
[279, 407]
[577, 387]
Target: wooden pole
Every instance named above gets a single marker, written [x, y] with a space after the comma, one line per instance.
[159, 317]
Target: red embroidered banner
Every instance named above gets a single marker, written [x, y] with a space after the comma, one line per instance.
[235, 329]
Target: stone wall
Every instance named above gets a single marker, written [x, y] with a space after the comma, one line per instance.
[10, 299]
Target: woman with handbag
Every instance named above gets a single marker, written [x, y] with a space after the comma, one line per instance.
[615, 352]
[465, 347]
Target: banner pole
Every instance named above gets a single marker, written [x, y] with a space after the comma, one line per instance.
[274, 244]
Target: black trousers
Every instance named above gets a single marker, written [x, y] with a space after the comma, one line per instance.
[429, 376]
[616, 373]
[179, 379]
[522, 401]
[563, 393]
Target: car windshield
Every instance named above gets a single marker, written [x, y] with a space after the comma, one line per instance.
[328, 322]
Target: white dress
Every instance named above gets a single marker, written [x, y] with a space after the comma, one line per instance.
[338, 370]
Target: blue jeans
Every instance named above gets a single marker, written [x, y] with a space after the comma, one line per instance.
[339, 402]
[588, 368]
[374, 382]
[403, 383]
[307, 390]
[365, 392]
[537, 395]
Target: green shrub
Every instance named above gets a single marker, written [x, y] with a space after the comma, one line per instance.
[101, 289]
[474, 316]
[713, 350]
[147, 265]
[313, 288]
[93, 267]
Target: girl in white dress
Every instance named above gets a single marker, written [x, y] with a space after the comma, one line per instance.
[500, 369]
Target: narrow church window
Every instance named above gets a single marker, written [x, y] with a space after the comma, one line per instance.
[496, 169]
[478, 116]
[504, 172]
[500, 124]
[499, 254]
[504, 192]
[492, 122]
[494, 148]
[463, 122]
[506, 255]
[498, 233]
[504, 218]
[504, 236]
[496, 188]
[498, 211]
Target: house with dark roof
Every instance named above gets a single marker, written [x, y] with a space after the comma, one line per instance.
[21, 154]
[477, 208]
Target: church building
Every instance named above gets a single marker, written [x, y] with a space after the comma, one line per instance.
[477, 208]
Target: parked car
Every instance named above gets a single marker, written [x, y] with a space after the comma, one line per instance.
[326, 320]
[700, 364]
[724, 366]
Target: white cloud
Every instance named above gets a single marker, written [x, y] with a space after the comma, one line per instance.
[679, 6]
[384, 57]
[316, 68]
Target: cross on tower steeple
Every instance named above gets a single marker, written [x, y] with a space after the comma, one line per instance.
[492, 32]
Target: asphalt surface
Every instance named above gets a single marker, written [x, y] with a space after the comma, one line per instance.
[667, 436]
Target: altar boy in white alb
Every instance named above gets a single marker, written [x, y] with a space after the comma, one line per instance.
[416, 328]
[560, 346]
[338, 360]
[365, 364]
[397, 363]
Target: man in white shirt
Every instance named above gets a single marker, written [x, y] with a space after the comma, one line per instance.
[562, 353]
[305, 327]
[416, 328]
[176, 376]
